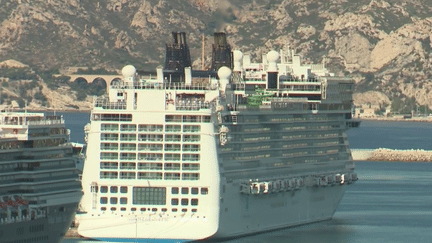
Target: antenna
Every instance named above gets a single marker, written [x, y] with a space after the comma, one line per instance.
[202, 51]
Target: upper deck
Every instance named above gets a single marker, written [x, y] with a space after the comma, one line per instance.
[16, 124]
[246, 83]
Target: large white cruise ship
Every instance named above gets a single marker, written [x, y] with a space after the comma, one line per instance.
[39, 185]
[187, 155]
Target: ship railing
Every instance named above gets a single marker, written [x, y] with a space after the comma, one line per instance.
[193, 105]
[44, 179]
[164, 86]
[238, 86]
[248, 79]
[254, 75]
[104, 103]
[295, 79]
[11, 135]
[300, 88]
[269, 103]
[6, 146]
[36, 122]
[47, 121]
[288, 100]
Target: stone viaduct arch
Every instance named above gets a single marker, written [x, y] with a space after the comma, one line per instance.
[103, 80]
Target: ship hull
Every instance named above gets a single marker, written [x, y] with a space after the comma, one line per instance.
[241, 215]
[249, 214]
[48, 230]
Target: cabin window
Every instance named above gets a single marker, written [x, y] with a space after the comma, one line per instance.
[204, 191]
[103, 200]
[194, 190]
[174, 201]
[185, 190]
[194, 202]
[174, 190]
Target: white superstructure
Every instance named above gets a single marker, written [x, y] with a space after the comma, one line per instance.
[262, 147]
[39, 185]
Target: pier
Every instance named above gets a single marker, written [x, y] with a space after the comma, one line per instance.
[384, 154]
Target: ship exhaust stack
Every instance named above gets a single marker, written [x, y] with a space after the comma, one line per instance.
[177, 58]
[221, 54]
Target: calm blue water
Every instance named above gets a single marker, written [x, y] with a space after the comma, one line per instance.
[76, 122]
[391, 202]
[393, 135]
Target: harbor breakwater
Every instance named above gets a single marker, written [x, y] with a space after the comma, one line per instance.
[384, 154]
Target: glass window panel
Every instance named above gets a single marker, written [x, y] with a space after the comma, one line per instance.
[149, 166]
[185, 190]
[172, 176]
[174, 201]
[149, 195]
[149, 176]
[113, 200]
[172, 166]
[174, 190]
[103, 200]
[123, 200]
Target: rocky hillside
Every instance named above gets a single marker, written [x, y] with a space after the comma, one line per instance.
[384, 45]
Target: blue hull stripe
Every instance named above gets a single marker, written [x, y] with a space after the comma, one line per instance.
[143, 240]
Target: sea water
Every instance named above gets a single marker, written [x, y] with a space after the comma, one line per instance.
[391, 202]
[392, 135]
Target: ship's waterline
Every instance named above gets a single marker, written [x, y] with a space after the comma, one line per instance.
[186, 155]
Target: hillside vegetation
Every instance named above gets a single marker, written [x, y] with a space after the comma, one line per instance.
[384, 45]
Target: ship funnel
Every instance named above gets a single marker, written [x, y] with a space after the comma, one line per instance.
[221, 53]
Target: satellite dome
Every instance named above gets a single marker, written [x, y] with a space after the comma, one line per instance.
[272, 56]
[224, 72]
[237, 55]
[128, 71]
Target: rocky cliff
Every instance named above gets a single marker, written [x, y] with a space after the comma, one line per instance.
[384, 45]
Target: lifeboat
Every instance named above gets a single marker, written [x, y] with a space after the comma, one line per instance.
[354, 177]
[348, 178]
[299, 182]
[338, 179]
[343, 179]
[266, 187]
[287, 185]
[331, 180]
[277, 186]
[246, 188]
[292, 184]
[255, 188]
[323, 180]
